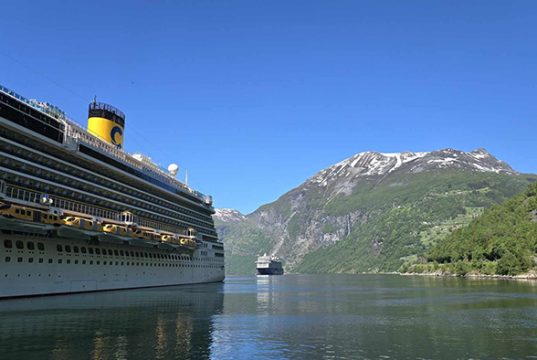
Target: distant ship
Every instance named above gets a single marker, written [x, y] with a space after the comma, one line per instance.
[78, 213]
[268, 265]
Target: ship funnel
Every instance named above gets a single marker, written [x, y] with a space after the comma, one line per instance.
[107, 123]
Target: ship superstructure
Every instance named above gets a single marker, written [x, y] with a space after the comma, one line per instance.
[78, 213]
[268, 265]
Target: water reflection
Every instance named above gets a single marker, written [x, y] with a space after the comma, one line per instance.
[162, 323]
[283, 317]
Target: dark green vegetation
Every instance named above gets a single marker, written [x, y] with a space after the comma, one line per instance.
[407, 215]
[503, 241]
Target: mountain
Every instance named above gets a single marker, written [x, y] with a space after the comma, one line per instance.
[503, 241]
[370, 212]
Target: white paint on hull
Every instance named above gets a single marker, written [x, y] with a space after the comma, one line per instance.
[31, 271]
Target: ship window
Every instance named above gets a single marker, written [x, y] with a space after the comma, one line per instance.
[68, 261]
[19, 259]
[30, 245]
[145, 255]
[132, 253]
[116, 253]
[98, 262]
[110, 252]
[40, 246]
[91, 262]
[50, 261]
[8, 259]
[75, 249]
[83, 250]
[104, 262]
[19, 244]
[90, 250]
[59, 248]
[8, 244]
[76, 261]
[30, 260]
[97, 251]
[67, 248]
[17, 211]
[40, 260]
[121, 253]
[83, 262]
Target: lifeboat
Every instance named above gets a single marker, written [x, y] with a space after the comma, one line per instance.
[17, 212]
[168, 237]
[51, 219]
[80, 222]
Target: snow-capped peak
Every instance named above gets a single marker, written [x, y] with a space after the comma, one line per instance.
[367, 164]
[228, 215]
[370, 163]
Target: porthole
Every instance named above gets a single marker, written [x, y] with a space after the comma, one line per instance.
[30, 245]
[83, 250]
[59, 248]
[19, 244]
[40, 246]
[8, 244]
[75, 249]
[67, 248]
[8, 259]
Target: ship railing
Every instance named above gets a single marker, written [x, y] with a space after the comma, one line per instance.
[13, 192]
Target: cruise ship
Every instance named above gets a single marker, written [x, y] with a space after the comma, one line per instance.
[79, 214]
[268, 265]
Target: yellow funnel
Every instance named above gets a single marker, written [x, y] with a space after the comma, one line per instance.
[107, 123]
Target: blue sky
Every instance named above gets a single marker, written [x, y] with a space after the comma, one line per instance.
[253, 97]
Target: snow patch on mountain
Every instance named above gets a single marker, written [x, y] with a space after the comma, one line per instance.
[228, 215]
[370, 164]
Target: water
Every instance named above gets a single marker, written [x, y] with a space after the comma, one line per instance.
[284, 317]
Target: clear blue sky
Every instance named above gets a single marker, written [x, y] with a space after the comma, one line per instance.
[253, 97]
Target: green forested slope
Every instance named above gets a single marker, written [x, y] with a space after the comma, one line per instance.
[502, 241]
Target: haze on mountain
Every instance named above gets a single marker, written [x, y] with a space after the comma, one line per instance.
[372, 212]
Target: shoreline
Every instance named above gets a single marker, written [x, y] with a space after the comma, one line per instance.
[527, 276]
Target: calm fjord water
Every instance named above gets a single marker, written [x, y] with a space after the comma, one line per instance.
[284, 317]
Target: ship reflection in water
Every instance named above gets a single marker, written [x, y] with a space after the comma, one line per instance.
[281, 317]
[158, 323]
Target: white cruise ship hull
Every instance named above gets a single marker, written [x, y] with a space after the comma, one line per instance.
[29, 271]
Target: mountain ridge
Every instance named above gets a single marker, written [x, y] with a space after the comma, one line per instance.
[338, 202]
